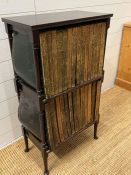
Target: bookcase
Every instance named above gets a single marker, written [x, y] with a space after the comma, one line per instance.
[58, 66]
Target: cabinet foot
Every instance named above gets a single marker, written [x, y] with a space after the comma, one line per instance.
[46, 173]
[44, 147]
[25, 139]
[26, 150]
[95, 131]
[96, 137]
[45, 161]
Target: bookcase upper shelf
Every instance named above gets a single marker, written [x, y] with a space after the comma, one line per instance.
[49, 20]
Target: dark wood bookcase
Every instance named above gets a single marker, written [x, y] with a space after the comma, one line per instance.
[58, 66]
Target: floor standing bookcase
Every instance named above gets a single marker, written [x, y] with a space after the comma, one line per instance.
[58, 66]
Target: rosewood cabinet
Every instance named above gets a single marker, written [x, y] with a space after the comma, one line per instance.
[58, 66]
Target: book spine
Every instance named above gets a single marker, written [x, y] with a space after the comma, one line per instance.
[54, 62]
[94, 51]
[98, 48]
[54, 122]
[45, 63]
[82, 53]
[79, 109]
[69, 57]
[86, 101]
[90, 53]
[102, 47]
[76, 110]
[48, 114]
[63, 116]
[93, 101]
[78, 62]
[83, 107]
[59, 118]
[86, 50]
[98, 94]
[67, 114]
[71, 112]
[59, 36]
[50, 109]
[64, 60]
[90, 104]
[50, 64]
[74, 57]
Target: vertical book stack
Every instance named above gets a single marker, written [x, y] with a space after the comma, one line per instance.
[72, 56]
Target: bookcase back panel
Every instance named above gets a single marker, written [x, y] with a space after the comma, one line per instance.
[71, 112]
[71, 56]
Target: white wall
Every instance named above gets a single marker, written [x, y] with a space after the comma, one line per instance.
[9, 124]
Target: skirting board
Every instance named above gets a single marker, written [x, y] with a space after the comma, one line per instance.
[123, 83]
[10, 143]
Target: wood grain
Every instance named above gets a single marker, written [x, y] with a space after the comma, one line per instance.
[98, 94]
[101, 47]
[124, 70]
[67, 114]
[59, 119]
[52, 123]
[93, 100]
[71, 112]
[90, 106]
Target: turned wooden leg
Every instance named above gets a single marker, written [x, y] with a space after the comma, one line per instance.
[44, 147]
[95, 131]
[45, 161]
[25, 139]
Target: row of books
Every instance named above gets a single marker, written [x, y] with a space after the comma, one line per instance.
[69, 113]
[71, 56]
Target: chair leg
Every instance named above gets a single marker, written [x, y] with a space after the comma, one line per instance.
[95, 130]
[25, 139]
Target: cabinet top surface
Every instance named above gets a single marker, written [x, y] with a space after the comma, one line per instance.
[45, 20]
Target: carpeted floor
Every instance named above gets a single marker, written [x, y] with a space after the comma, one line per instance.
[109, 155]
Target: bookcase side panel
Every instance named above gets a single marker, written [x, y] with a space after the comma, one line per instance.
[22, 56]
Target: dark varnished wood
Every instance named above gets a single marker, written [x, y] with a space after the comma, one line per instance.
[49, 20]
[95, 130]
[44, 147]
[25, 138]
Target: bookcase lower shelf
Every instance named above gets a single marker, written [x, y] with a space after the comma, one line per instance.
[37, 142]
[63, 116]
